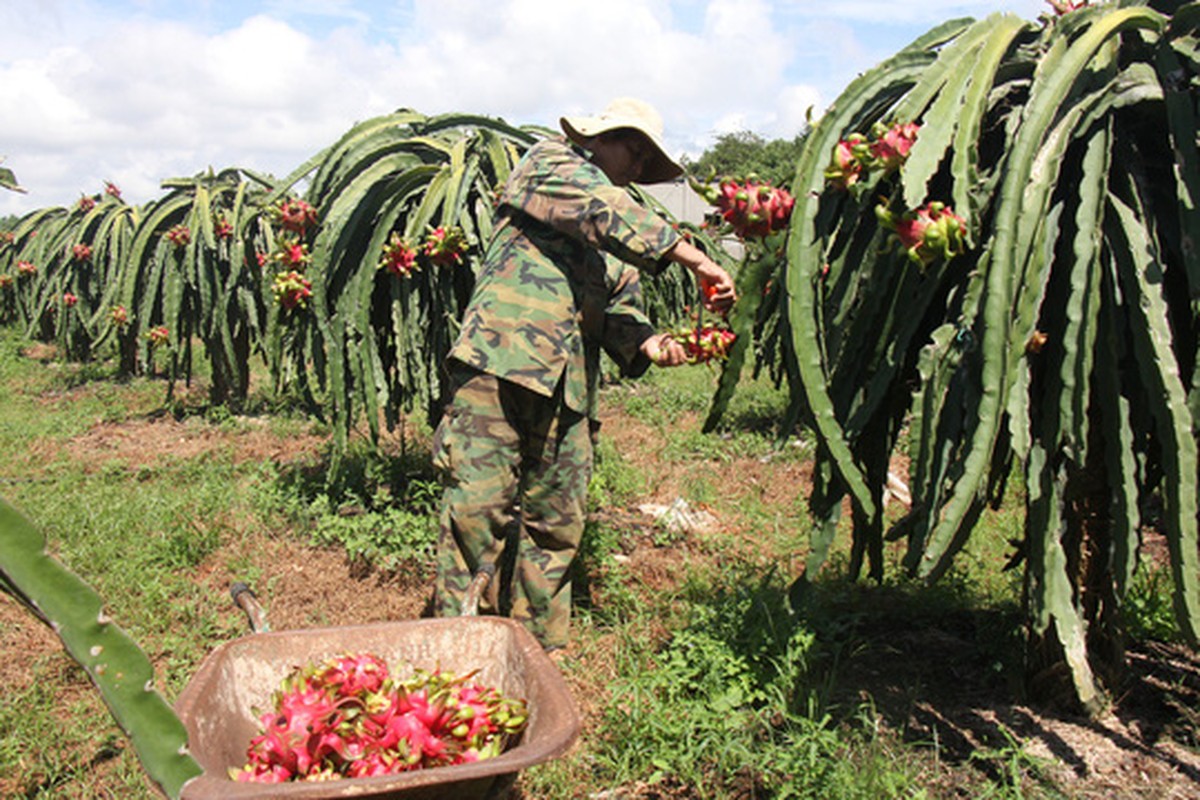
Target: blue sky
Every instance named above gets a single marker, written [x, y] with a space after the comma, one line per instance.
[135, 91]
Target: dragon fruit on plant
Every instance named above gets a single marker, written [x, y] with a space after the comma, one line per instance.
[159, 336]
[928, 233]
[179, 235]
[399, 257]
[754, 209]
[445, 247]
[291, 289]
[295, 216]
[856, 156]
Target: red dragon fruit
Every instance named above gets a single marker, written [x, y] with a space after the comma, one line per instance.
[291, 289]
[81, 252]
[25, 268]
[179, 235]
[347, 717]
[891, 145]
[69, 300]
[158, 336]
[851, 159]
[928, 233]
[856, 156]
[295, 216]
[119, 315]
[399, 257]
[445, 247]
[706, 343]
[291, 254]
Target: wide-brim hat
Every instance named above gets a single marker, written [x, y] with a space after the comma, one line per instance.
[627, 112]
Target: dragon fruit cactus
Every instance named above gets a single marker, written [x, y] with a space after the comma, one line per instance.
[445, 247]
[348, 717]
[399, 257]
[928, 233]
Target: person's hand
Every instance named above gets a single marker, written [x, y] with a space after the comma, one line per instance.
[664, 350]
[716, 286]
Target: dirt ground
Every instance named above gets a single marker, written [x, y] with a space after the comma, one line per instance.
[924, 681]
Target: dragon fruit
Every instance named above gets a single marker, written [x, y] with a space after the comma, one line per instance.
[753, 209]
[295, 216]
[399, 257]
[445, 247]
[179, 235]
[704, 343]
[81, 252]
[928, 233]
[348, 717]
[158, 336]
[291, 289]
[856, 156]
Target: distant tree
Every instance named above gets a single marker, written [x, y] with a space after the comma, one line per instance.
[742, 153]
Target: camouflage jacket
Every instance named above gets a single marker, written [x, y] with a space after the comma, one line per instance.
[549, 296]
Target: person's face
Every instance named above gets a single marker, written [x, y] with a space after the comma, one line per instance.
[622, 154]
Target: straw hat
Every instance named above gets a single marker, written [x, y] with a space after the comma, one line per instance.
[626, 112]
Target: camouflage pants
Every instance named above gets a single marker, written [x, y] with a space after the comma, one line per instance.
[515, 465]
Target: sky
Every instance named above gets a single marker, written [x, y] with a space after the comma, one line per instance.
[138, 91]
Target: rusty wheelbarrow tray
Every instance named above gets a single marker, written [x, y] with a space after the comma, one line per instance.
[217, 705]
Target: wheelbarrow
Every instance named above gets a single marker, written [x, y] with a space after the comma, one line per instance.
[216, 706]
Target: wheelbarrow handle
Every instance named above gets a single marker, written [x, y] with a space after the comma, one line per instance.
[245, 599]
[475, 590]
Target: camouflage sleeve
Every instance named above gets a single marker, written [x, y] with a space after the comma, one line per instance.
[556, 186]
[625, 324]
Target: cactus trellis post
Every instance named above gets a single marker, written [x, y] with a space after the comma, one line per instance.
[1058, 337]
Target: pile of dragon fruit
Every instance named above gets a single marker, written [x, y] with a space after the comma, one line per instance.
[348, 717]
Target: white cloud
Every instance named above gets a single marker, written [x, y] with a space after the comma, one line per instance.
[109, 91]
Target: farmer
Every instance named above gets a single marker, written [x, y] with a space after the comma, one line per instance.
[514, 446]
